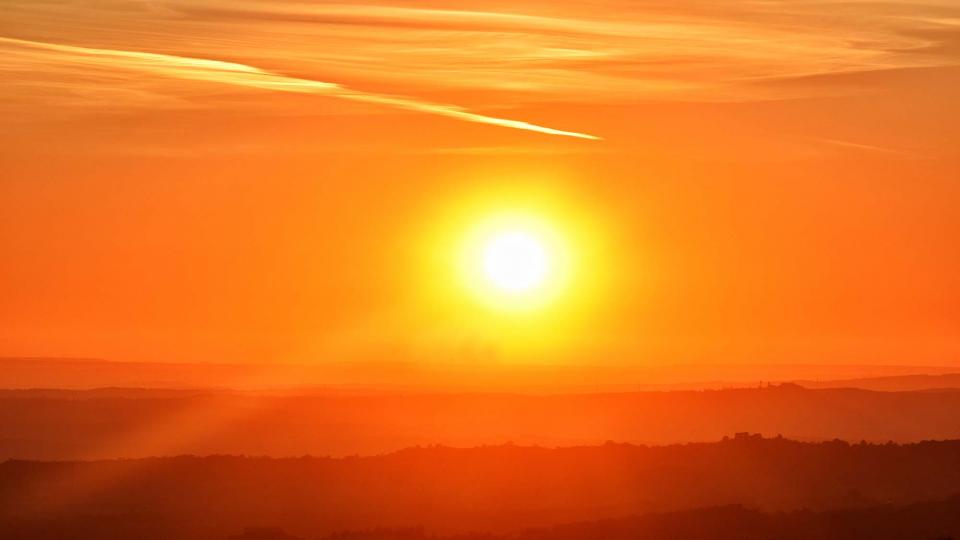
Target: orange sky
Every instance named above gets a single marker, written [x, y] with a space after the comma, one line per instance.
[267, 181]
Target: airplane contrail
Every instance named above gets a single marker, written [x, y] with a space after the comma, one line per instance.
[200, 69]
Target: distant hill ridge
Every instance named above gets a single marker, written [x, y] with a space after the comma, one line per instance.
[405, 375]
[109, 423]
[895, 383]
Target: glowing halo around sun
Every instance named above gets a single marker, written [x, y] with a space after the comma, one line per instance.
[516, 261]
[521, 264]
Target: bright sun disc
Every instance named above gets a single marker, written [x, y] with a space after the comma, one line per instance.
[519, 260]
[515, 261]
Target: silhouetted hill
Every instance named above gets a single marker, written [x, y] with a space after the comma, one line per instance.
[929, 520]
[898, 383]
[456, 490]
[138, 423]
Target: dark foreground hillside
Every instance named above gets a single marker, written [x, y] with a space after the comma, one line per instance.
[937, 520]
[448, 491]
[933, 520]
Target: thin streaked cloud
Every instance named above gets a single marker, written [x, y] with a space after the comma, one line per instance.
[234, 74]
[864, 147]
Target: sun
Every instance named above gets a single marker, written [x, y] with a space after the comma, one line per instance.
[516, 261]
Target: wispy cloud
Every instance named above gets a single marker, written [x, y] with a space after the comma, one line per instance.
[600, 51]
[235, 74]
[863, 147]
[425, 56]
